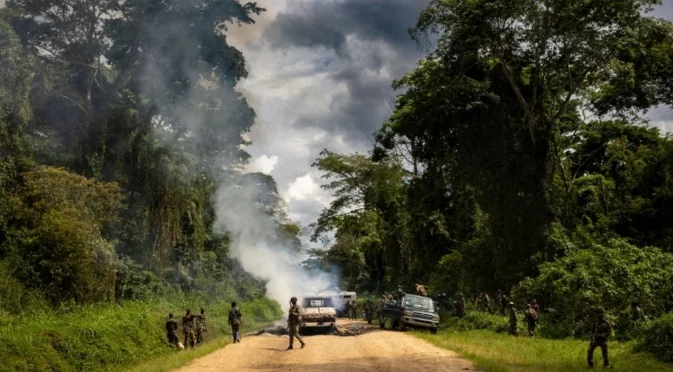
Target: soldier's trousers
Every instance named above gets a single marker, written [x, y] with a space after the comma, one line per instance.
[173, 338]
[235, 329]
[199, 335]
[513, 328]
[531, 328]
[190, 339]
[604, 350]
[293, 329]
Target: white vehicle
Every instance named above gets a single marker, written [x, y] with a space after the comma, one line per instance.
[339, 300]
[317, 312]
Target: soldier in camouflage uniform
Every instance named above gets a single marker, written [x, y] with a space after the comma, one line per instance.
[293, 321]
[172, 330]
[400, 294]
[235, 322]
[379, 310]
[600, 332]
[200, 326]
[513, 320]
[352, 310]
[188, 329]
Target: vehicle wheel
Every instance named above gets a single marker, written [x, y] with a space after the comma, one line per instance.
[403, 326]
[433, 331]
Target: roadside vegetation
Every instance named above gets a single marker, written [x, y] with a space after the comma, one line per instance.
[114, 338]
[499, 352]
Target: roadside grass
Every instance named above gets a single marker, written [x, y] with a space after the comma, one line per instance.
[498, 352]
[114, 338]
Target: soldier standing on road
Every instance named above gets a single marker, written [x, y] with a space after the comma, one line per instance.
[172, 330]
[460, 306]
[200, 326]
[531, 319]
[352, 309]
[379, 310]
[235, 322]
[600, 332]
[513, 320]
[368, 311]
[188, 329]
[293, 321]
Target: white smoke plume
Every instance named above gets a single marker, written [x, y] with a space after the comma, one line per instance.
[252, 234]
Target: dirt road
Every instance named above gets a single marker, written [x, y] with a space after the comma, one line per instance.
[373, 351]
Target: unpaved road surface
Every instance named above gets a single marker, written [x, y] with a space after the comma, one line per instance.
[373, 351]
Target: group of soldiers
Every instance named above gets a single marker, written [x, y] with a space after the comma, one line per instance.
[600, 331]
[190, 322]
[194, 327]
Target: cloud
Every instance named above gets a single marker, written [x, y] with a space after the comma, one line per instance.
[262, 164]
[320, 77]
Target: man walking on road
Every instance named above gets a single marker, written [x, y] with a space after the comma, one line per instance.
[235, 322]
[293, 321]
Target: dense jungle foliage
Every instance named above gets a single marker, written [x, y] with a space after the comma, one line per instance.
[516, 158]
[118, 121]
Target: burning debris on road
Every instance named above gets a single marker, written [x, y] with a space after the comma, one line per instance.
[353, 330]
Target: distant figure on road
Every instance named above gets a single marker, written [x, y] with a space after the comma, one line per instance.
[200, 326]
[235, 322]
[188, 329]
[172, 330]
[369, 311]
[352, 310]
[531, 319]
[513, 320]
[379, 310]
[600, 332]
[293, 321]
[502, 301]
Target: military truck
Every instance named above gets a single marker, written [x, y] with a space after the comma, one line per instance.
[317, 313]
[411, 312]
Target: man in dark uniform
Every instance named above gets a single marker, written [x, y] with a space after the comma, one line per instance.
[235, 322]
[172, 330]
[293, 321]
[600, 332]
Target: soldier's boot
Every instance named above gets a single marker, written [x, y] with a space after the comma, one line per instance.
[290, 348]
[303, 344]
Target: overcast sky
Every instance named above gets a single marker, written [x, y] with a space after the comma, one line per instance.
[320, 77]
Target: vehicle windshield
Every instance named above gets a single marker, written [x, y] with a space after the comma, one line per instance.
[419, 303]
[318, 302]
